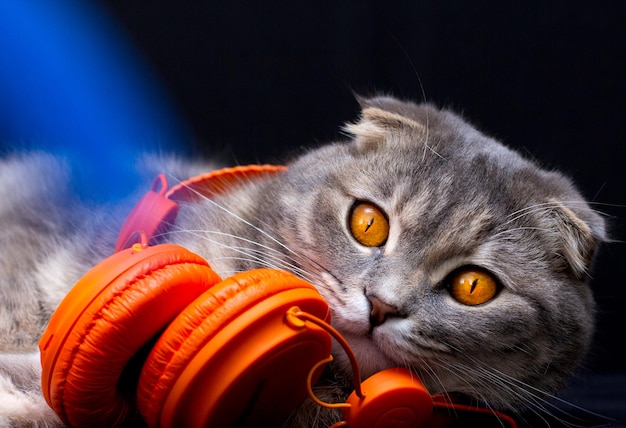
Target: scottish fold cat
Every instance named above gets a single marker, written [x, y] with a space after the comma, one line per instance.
[437, 248]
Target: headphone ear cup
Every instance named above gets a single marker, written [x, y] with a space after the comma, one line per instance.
[105, 320]
[392, 397]
[230, 354]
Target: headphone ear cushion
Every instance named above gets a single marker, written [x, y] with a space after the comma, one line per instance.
[106, 319]
[248, 303]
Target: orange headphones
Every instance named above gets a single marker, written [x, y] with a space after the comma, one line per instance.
[153, 334]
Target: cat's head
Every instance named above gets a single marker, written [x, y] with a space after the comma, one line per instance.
[440, 249]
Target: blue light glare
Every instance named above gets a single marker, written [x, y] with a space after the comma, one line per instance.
[69, 83]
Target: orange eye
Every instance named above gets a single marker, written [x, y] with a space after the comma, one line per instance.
[472, 286]
[368, 224]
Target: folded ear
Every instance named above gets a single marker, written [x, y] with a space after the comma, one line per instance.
[377, 125]
[575, 240]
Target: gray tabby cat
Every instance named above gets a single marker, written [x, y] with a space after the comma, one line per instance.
[453, 199]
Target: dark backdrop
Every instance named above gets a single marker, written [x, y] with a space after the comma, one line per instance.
[256, 80]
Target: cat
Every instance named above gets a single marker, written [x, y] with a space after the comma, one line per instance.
[441, 200]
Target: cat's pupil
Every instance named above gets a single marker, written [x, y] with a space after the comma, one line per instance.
[474, 284]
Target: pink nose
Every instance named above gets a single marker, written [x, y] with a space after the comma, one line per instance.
[380, 311]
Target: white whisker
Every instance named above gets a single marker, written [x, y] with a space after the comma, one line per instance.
[537, 401]
[264, 255]
[242, 220]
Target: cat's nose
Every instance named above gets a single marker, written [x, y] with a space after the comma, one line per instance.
[381, 311]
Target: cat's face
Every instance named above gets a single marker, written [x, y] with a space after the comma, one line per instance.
[439, 249]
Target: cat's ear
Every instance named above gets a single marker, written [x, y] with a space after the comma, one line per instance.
[377, 125]
[575, 240]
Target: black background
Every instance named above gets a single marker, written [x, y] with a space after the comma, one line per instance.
[257, 80]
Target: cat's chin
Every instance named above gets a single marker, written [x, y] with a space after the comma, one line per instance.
[370, 357]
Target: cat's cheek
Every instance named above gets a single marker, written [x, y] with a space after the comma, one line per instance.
[350, 311]
[352, 319]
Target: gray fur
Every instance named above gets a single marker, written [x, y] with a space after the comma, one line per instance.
[453, 196]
